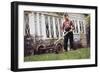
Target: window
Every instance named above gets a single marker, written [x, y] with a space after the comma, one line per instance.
[51, 26]
[40, 24]
[60, 23]
[26, 19]
[35, 22]
[81, 26]
[76, 27]
[56, 25]
[27, 29]
[47, 26]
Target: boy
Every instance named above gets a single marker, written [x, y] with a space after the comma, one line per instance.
[68, 27]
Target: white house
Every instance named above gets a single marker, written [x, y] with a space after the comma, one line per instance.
[47, 25]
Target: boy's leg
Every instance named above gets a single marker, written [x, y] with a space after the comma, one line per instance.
[71, 40]
[66, 42]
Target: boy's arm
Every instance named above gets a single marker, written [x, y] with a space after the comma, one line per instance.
[72, 26]
[63, 27]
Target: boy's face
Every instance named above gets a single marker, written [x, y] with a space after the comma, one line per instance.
[66, 18]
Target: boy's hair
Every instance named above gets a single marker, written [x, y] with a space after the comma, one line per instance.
[65, 15]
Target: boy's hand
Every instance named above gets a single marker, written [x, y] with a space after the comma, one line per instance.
[71, 30]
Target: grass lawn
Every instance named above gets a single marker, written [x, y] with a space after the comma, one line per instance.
[82, 53]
